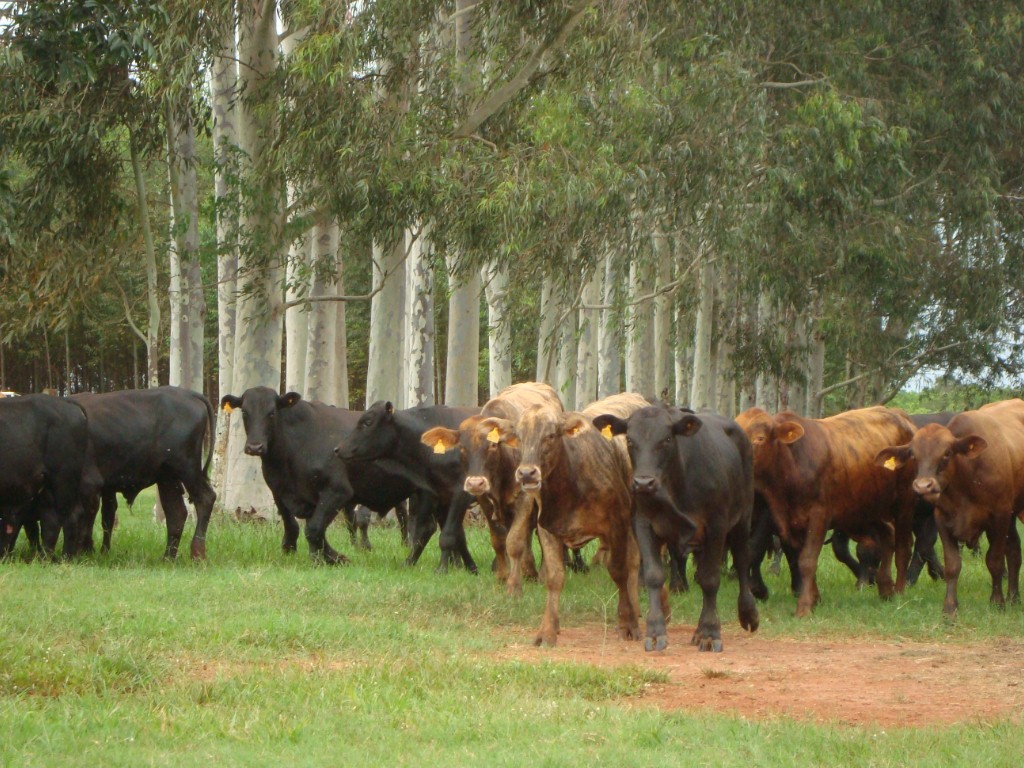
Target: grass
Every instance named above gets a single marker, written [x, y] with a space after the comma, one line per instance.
[256, 658]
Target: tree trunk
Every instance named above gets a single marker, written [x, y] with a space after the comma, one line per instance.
[640, 340]
[419, 375]
[259, 312]
[462, 379]
[700, 393]
[339, 374]
[587, 352]
[547, 341]
[663, 306]
[322, 316]
[385, 368]
[152, 298]
[297, 318]
[565, 368]
[499, 330]
[798, 350]
[609, 364]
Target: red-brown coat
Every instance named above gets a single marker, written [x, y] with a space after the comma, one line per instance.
[971, 471]
[818, 474]
[581, 485]
[490, 463]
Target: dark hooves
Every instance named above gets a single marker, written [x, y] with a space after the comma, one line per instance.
[659, 643]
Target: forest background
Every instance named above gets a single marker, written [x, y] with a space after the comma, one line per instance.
[797, 205]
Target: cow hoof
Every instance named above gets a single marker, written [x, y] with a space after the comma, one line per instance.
[544, 641]
[710, 644]
[750, 620]
[629, 633]
[659, 643]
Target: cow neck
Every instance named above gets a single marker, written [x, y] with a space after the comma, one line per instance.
[300, 414]
[559, 482]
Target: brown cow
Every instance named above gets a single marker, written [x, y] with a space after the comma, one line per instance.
[818, 474]
[581, 485]
[490, 463]
[970, 471]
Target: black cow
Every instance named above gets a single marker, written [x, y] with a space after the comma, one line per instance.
[693, 488]
[142, 437]
[294, 440]
[393, 438]
[43, 446]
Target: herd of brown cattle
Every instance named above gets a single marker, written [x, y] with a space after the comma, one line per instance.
[570, 477]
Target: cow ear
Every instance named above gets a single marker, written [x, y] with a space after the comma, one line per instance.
[389, 408]
[788, 432]
[894, 457]
[610, 425]
[498, 431]
[574, 424]
[288, 399]
[440, 439]
[969, 447]
[230, 402]
[686, 425]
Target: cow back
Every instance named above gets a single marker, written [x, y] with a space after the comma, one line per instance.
[515, 399]
[999, 469]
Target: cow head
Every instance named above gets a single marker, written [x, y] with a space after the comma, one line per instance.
[936, 450]
[540, 432]
[482, 443]
[260, 407]
[769, 436]
[375, 434]
[651, 434]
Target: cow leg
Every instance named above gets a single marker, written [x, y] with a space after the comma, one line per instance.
[677, 583]
[759, 543]
[951, 566]
[995, 559]
[624, 568]
[357, 521]
[517, 542]
[746, 605]
[90, 508]
[554, 580]
[1013, 560]
[107, 518]
[884, 538]
[423, 525]
[401, 514]
[841, 549]
[330, 501]
[453, 535]
[808, 563]
[290, 539]
[653, 570]
[175, 513]
[203, 497]
[498, 532]
[574, 560]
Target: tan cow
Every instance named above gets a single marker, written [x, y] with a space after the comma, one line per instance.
[490, 463]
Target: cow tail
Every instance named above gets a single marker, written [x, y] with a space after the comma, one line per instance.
[211, 433]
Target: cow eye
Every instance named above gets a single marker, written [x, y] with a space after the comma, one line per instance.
[667, 440]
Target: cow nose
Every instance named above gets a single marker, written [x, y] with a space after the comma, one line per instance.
[477, 485]
[645, 484]
[255, 449]
[528, 476]
[926, 486]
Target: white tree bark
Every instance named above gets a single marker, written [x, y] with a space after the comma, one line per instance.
[816, 361]
[499, 329]
[640, 358]
[663, 308]
[322, 317]
[587, 352]
[188, 304]
[385, 366]
[609, 364]
[767, 389]
[419, 373]
[797, 401]
[565, 368]
[462, 378]
[259, 310]
[546, 338]
[152, 336]
[296, 318]
[339, 373]
[703, 361]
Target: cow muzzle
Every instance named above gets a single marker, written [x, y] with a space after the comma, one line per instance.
[645, 484]
[256, 449]
[529, 477]
[477, 485]
[927, 487]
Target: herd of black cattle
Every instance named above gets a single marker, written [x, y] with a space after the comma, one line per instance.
[646, 479]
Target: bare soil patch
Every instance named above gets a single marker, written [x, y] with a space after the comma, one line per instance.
[852, 682]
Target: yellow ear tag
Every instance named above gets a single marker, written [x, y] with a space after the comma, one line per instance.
[228, 408]
[493, 436]
[439, 447]
[607, 431]
[890, 463]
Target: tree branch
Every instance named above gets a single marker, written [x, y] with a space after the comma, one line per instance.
[128, 314]
[795, 84]
[497, 99]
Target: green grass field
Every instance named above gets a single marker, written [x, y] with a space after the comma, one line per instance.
[256, 658]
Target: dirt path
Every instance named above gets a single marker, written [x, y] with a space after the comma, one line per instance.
[850, 682]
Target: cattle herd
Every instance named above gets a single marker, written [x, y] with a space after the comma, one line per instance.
[654, 483]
